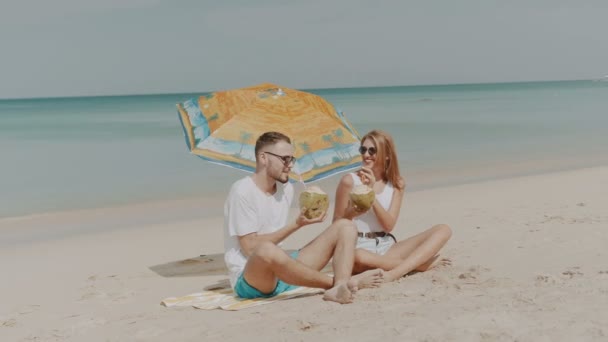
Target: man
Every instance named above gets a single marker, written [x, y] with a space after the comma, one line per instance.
[256, 221]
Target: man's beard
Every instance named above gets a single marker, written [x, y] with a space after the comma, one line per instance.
[280, 178]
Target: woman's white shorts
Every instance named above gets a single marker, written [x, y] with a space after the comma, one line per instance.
[379, 245]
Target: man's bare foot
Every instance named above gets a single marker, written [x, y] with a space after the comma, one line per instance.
[433, 262]
[352, 286]
[339, 294]
[369, 279]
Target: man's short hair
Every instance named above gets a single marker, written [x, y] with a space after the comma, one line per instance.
[269, 138]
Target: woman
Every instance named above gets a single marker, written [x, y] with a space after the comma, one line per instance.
[376, 246]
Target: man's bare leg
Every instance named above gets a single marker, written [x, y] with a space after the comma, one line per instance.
[268, 263]
[339, 241]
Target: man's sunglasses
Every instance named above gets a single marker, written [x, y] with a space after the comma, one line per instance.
[372, 150]
[287, 160]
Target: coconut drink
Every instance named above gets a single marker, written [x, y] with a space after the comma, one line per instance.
[362, 197]
[315, 201]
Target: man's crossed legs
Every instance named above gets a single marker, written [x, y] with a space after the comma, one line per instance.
[269, 263]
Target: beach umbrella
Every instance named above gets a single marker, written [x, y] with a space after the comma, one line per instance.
[222, 127]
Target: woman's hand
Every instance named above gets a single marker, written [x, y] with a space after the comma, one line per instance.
[351, 211]
[367, 176]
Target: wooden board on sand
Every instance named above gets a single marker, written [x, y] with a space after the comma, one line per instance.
[203, 265]
[210, 264]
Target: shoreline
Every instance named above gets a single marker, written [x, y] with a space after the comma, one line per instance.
[68, 223]
[424, 179]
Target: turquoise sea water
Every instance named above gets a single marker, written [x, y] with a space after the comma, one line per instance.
[70, 153]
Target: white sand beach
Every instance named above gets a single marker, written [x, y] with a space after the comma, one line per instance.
[529, 264]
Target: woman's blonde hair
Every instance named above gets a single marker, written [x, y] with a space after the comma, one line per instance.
[386, 152]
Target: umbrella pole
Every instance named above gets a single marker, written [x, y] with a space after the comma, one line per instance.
[301, 180]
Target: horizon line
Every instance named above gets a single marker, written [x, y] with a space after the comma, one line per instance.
[302, 89]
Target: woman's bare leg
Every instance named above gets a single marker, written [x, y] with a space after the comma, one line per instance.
[366, 260]
[417, 251]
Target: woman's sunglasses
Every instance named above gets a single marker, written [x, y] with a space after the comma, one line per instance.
[372, 150]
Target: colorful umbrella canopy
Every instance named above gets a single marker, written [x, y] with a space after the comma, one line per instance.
[222, 128]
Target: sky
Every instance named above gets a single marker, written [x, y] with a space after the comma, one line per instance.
[114, 47]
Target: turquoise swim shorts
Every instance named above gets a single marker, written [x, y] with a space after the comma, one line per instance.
[244, 290]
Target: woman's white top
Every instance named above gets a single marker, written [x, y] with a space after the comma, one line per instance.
[368, 222]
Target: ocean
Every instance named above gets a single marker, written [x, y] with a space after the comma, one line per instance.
[60, 154]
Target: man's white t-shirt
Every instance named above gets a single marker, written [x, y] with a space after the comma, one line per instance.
[249, 210]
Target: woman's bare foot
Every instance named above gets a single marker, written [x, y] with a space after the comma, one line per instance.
[339, 294]
[389, 276]
[433, 262]
[369, 279]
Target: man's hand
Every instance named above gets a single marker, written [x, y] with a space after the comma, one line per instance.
[302, 220]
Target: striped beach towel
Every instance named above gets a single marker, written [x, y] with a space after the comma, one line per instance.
[226, 299]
